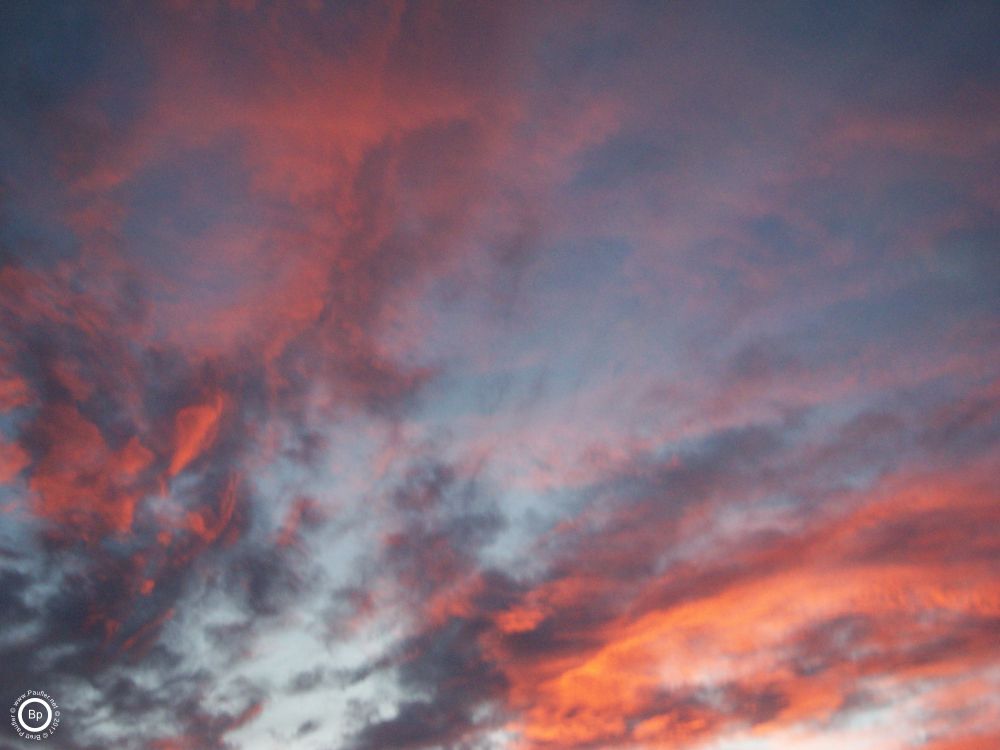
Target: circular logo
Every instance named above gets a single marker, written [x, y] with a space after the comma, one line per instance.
[35, 715]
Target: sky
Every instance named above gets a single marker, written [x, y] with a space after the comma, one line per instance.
[501, 376]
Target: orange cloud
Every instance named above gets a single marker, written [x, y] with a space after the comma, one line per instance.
[79, 482]
[13, 459]
[195, 430]
[743, 638]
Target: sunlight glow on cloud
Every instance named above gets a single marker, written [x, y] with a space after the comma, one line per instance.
[501, 376]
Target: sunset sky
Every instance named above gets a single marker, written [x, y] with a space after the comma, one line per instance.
[501, 376]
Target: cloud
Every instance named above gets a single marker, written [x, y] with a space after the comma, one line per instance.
[416, 375]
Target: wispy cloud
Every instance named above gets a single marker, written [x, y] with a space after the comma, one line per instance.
[414, 375]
